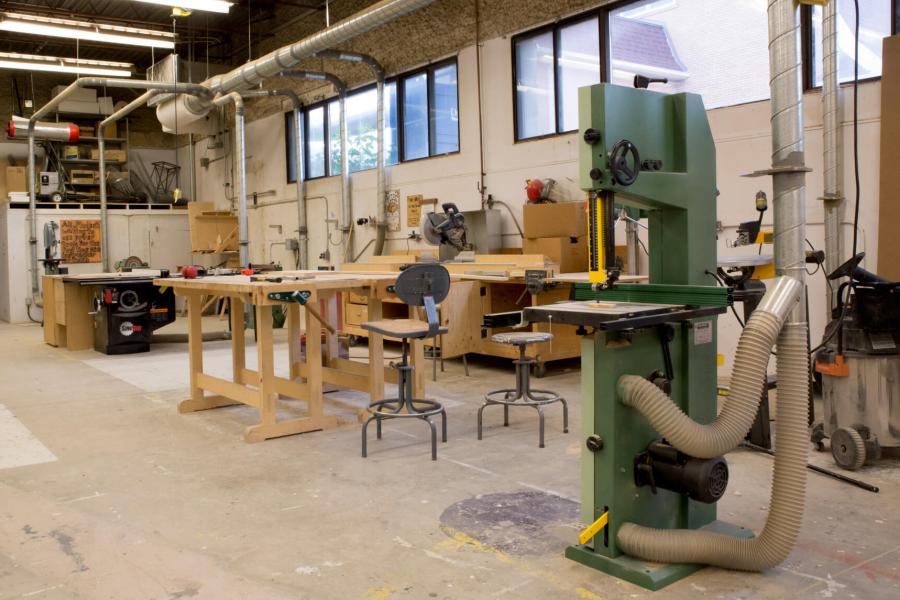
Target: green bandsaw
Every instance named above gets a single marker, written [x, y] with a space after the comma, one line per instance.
[653, 152]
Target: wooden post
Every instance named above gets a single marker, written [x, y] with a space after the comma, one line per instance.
[265, 364]
[238, 342]
[331, 315]
[195, 344]
[293, 319]
[314, 364]
[376, 352]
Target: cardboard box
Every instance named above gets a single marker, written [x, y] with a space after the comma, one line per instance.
[109, 132]
[79, 94]
[16, 179]
[111, 155]
[79, 106]
[571, 254]
[86, 131]
[83, 176]
[552, 220]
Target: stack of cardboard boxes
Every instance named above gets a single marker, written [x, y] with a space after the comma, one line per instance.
[558, 230]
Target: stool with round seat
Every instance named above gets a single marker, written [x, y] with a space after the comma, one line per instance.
[419, 285]
[522, 394]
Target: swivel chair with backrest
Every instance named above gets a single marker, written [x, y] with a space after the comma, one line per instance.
[419, 285]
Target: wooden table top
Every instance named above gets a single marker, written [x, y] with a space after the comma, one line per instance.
[241, 284]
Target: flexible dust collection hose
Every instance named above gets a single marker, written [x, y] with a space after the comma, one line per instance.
[747, 380]
[777, 539]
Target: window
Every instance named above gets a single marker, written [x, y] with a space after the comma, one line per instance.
[445, 112]
[415, 117]
[716, 49]
[535, 98]
[577, 65]
[429, 109]
[874, 25]
[550, 66]
[315, 142]
[430, 124]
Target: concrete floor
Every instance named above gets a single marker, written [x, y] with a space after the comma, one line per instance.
[128, 499]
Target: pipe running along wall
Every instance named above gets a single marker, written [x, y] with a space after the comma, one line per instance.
[101, 145]
[287, 57]
[32, 123]
[302, 221]
[380, 170]
[788, 495]
[833, 196]
[241, 157]
[346, 199]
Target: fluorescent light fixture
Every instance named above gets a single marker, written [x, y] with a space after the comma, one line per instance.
[81, 30]
[218, 6]
[53, 64]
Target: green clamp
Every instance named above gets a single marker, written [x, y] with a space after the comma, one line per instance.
[300, 296]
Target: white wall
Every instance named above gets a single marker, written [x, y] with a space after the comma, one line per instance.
[160, 238]
[742, 139]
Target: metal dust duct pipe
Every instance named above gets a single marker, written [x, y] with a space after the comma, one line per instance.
[833, 196]
[302, 225]
[380, 171]
[240, 146]
[287, 57]
[346, 200]
[32, 124]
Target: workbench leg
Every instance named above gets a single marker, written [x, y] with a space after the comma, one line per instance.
[265, 368]
[314, 366]
[293, 319]
[197, 401]
[331, 315]
[376, 355]
[238, 340]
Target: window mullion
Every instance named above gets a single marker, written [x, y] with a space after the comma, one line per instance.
[555, 79]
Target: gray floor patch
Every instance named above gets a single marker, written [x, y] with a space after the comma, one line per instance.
[518, 523]
[18, 446]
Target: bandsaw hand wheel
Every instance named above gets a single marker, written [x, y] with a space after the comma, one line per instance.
[624, 172]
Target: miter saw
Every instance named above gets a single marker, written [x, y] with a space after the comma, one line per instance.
[447, 230]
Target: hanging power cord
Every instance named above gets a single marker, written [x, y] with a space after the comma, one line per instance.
[721, 283]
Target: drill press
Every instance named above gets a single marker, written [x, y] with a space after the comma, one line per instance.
[653, 152]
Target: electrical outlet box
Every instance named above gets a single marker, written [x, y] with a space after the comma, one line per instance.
[292, 244]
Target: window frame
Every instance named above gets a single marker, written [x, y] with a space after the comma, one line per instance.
[429, 70]
[807, 50]
[395, 79]
[602, 16]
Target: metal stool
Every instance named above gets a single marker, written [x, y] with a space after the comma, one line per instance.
[523, 395]
[419, 285]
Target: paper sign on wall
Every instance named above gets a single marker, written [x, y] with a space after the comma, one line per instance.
[414, 210]
[80, 241]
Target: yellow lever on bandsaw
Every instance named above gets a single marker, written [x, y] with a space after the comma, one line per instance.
[596, 527]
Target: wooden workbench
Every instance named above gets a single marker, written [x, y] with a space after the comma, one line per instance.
[260, 387]
[491, 284]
